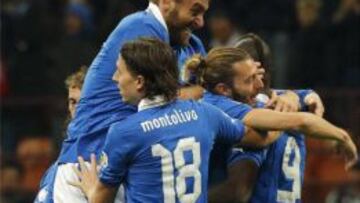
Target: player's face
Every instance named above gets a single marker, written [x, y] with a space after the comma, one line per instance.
[129, 85]
[258, 87]
[73, 99]
[245, 80]
[183, 17]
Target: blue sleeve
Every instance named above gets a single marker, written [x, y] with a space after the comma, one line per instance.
[116, 155]
[258, 156]
[228, 130]
[239, 111]
[99, 76]
[302, 93]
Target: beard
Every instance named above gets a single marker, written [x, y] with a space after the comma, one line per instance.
[180, 37]
[180, 33]
[238, 97]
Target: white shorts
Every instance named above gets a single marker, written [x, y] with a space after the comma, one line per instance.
[64, 193]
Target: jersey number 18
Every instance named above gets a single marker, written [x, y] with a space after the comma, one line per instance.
[185, 170]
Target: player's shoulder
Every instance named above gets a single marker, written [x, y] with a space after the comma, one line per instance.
[224, 103]
[141, 20]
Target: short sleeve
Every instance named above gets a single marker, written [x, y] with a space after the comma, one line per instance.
[116, 155]
[229, 130]
[258, 156]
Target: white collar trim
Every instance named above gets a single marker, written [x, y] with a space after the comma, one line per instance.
[154, 9]
[151, 103]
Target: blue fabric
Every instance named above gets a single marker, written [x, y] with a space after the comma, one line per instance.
[272, 178]
[132, 149]
[183, 53]
[45, 194]
[223, 154]
[100, 104]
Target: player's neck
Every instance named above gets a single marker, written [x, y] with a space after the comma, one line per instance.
[147, 103]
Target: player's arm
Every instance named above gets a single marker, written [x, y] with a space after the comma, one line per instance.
[296, 100]
[238, 186]
[287, 101]
[257, 138]
[102, 193]
[306, 123]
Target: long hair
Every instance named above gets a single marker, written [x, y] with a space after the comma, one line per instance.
[156, 62]
[217, 67]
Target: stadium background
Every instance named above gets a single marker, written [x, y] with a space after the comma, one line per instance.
[315, 44]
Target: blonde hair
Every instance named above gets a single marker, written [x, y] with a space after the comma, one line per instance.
[217, 67]
[76, 80]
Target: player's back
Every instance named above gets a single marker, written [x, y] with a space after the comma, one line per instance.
[101, 103]
[281, 174]
[166, 151]
[218, 163]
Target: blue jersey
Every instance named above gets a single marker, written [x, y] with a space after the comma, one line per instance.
[101, 104]
[276, 162]
[100, 99]
[281, 166]
[282, 173]
[183, 53]
[161, 153]
[218, 165]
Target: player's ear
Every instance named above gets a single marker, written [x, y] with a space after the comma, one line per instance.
[222, 89]
[166, 5]
[140, 82]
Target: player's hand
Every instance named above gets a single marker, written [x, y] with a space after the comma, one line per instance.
[349, 150]
[87, 175]
[314, 103]
[288, 102]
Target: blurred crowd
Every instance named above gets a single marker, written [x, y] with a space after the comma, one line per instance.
[314, 44]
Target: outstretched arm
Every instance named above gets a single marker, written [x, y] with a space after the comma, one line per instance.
[306, 123]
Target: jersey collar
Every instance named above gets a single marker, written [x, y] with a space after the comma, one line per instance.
[151, 103]
[155, 10]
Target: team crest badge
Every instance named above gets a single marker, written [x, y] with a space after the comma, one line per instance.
[103, 160]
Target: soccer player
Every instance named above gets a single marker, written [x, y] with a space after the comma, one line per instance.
[166, 145]
[229, 74]
[287, 176]
[73, 83]
[100, 104]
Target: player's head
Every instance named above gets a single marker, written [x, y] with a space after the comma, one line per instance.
[259, 51]
[226, 71]
[182, 17]
[146, 67]
[74, 84]
[10, 177]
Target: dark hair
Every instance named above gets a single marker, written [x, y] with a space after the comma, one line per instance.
[259, 51]
[156, 62]
[217, 67]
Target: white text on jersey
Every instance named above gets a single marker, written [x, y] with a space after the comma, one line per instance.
[175, 118]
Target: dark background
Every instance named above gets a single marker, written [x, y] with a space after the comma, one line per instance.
[315, 44]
